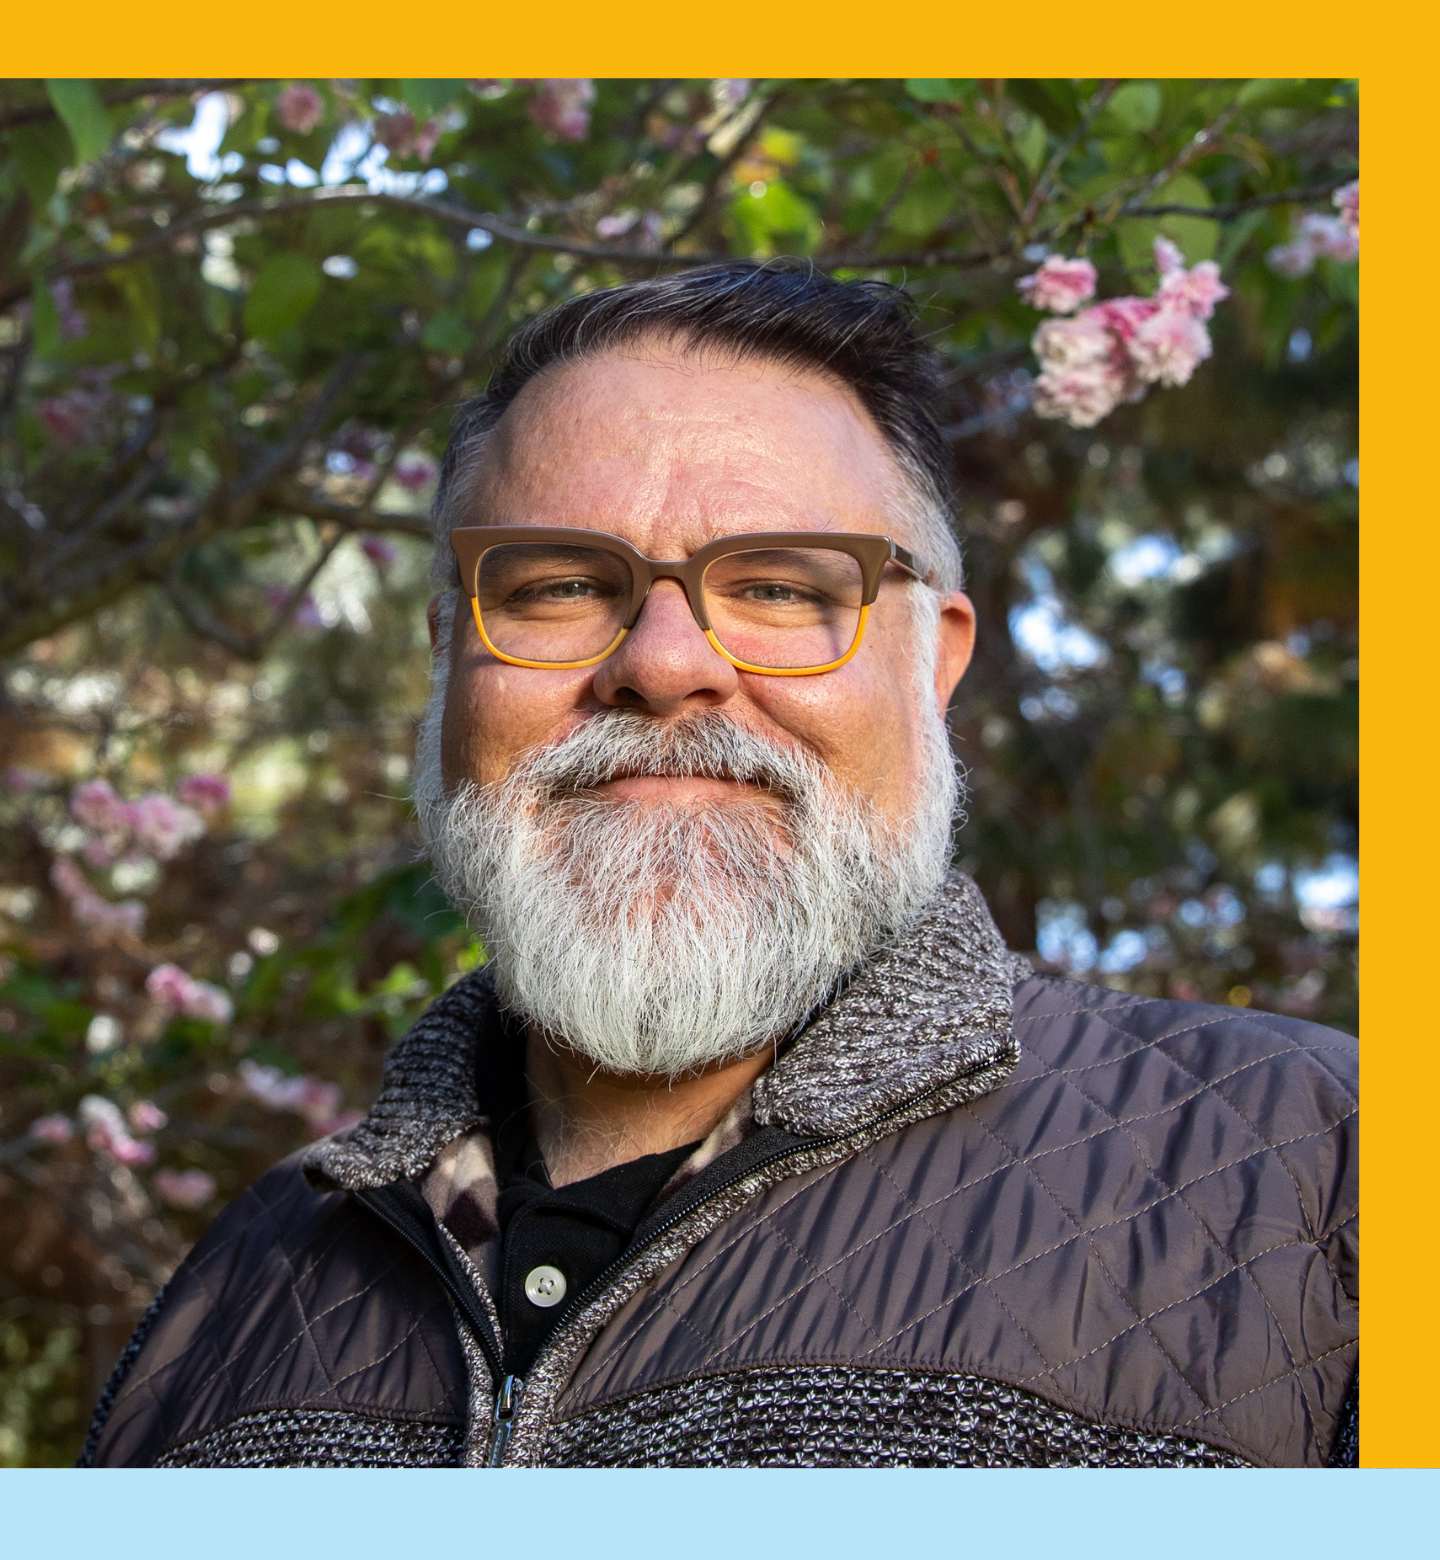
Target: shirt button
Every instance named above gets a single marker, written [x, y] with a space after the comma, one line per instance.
[545, 1285]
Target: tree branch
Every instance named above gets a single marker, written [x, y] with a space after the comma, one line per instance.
[508, 231]
[37, 113]
[352, 517]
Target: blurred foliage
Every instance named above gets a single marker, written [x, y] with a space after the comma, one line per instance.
[234, 320]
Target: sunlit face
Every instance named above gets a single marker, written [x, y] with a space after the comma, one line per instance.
[669, 449]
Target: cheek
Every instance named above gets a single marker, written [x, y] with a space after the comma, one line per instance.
[859, 721]
[494, 712]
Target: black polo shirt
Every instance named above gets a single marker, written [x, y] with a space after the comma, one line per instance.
[555, 1243]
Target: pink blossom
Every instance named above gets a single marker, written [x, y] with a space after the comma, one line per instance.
[731, 92]
[184, 1188]
[1347, 203]
[168, 985]
[1074, 343]
[209, 1003]
[1195, 291]
[106, 1131]
[126, 916]
[146, 1116]
[305, 614]
[416, 473]
[172, 988]
[1060, 285]
[73, 323]
[319, 1102]
[88, 907]
[98, 854]
[270, 1086]
[56, 1128]
[1318, 234]
[1168, 258]
[1169, 347]
[1080, 396]
[300, 108]
[1123, 316]
[69, 419]
[313, 1098]
[1332, 237]
[69, 879]
[164, 826]
[23, 781]
[96, 805]
[1085, 371]
[403, 136]
[561, 106]
[1294, 259]
[380, 552]
[646, 226]
[128, 1150]
[207, 793]
[360, 442]
[96, 1111]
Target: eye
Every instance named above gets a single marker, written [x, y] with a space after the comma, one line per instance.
[777, 593]
[572, 588]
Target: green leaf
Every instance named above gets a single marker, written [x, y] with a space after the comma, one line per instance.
[142, 306]
[1136, 105]
[938, 91]
[429, 96]
[42, 153]
[777, 212]
[1031, 143]
[449, 331]
[78, 105]
[1237, 235]
[927, 202]
[46, 319]
[1279, 93]
[282, 295]
[1197, 237]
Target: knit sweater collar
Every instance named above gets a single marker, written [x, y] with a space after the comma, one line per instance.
[922, 1013]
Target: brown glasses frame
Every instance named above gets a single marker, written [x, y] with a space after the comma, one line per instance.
[872, 553]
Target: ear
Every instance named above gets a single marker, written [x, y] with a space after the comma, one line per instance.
[954, 646]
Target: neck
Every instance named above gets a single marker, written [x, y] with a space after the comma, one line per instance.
[587, 1121]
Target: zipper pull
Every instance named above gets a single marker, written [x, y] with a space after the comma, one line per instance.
[507, 1400]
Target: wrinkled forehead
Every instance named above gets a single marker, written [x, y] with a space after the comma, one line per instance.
[657, 438]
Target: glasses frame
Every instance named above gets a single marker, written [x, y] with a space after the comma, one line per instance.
[873, 554]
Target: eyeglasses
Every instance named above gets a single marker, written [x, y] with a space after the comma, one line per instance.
[784, 603]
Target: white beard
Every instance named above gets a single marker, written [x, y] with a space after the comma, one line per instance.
[663, 938]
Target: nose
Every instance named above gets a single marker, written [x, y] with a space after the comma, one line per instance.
[665, 664]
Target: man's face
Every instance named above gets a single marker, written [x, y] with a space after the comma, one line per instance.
[673, 861]
[670, 450]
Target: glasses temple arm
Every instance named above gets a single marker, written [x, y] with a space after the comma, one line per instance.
[907, 560]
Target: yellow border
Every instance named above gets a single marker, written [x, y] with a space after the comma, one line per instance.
[1398, 545]
[269, 38]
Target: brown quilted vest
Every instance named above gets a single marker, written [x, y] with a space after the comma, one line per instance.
[975, 1217]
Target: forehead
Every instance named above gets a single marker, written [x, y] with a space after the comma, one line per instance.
[661, 443]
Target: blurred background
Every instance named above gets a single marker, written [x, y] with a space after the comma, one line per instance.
[235, 318]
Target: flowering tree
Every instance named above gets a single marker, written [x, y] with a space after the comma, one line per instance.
[234, 319]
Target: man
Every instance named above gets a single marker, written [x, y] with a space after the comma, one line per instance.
[752, 1144]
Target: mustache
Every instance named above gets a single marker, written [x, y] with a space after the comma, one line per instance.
[624, 743]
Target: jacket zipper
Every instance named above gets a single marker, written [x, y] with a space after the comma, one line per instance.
[407, 1224]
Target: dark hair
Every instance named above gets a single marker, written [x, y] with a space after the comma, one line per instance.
[862, 332]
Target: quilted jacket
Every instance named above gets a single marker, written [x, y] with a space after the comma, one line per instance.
[971, 1216]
